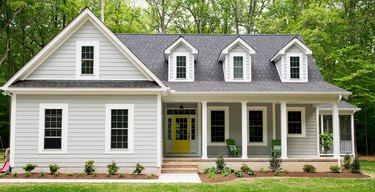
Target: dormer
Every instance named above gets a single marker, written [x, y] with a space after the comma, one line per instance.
[291, 62]
[236, 60]
[181, 56]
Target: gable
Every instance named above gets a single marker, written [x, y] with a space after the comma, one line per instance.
[113, 65]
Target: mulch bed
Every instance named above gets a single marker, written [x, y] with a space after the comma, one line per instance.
[75, 176]
[344, 174]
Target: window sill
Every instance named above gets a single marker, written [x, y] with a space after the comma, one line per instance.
[52, 151]
[111, 151]
[217, 144]
[296, 135]
[256, 144]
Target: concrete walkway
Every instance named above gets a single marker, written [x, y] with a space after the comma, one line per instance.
[163, 178]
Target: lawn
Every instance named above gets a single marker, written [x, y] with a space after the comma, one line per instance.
[2, 151]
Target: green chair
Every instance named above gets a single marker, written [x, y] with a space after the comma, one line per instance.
[275, 147]
[234, 150]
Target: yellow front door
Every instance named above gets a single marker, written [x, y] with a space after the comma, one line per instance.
[181, 134]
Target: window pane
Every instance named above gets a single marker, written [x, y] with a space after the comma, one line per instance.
[119, 128]
[52, 128]
[181, 129]
[238, 67]
[294, 122]
[169, 128]
[192, 128]
[217, 126]
[87, 57]
[256, 126]
[181, 67]
[294, 67]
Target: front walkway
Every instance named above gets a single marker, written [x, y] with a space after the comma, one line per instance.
[163, 178]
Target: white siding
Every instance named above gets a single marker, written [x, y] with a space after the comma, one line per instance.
[238, 49]
[86, 131]
[62, 63]
[189, 65]
[284, 69]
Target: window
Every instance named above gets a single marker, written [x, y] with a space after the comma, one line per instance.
[296, 122]
[237, 67]
[181, 67]
[218, 125]
[257, 126]
[169, 129]
[294, 67]
[53, 128]
[119, 128]
[87, 59]
[193, 128]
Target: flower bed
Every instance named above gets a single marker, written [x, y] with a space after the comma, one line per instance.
[79, 176]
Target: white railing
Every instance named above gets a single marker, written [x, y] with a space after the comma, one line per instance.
[346, 146]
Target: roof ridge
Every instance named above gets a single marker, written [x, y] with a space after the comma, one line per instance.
[200, 34]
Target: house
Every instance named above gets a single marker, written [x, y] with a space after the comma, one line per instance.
[155, 99]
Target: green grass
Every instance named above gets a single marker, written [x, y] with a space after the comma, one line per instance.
[368, 167]
[2, 151]
[269, 184]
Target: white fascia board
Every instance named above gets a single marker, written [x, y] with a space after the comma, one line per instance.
[238, 41]
[84, 16]
[179, 41]
[296, 42]
[340, 109]
[258, 93]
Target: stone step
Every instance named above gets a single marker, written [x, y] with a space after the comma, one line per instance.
[178, 166]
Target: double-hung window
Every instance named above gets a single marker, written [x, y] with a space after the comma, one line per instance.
[238, 67]
[87, 59]
[119, 127]
[181, 67]
[218, 129]
[257, 125]
[296, 122]
[294, 67]
[53, 127]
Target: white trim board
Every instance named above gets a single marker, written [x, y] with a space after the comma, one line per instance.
[226, 125]
[264, 111]
[96, 63]
[303, 121]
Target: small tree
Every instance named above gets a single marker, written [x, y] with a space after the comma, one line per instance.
[220, 163]
[347, 161]
[275, 163]
[356, 166]
[113, 168]
[89, 167]
[326, 140]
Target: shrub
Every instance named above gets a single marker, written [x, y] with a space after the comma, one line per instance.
[94, 174]
[326, 140]
[148, 176]
[347, 161]
[220, 163]
[226, 171]
[121, 175]
[263, 170]
[42, 174]
[56, 173]
[245, 168]
[28, 174]
[138, 169]
[15, 174]
[309, 169]
[250, 172]
[277, 172]
[53, 168]
[286, 171]
[335, 168]
[210, 172]
[30, 167]
[238, 173]
[275, 163]
[355, 167]
[81, 175]
[107, 174]
[69, 174]
[89, 167]
[113, 168]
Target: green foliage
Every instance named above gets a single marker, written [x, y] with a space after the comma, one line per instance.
[277, 172]
[53, 168]
[356, 166]
[210, 171]
[138, 169]
[42, 174]
[107, 174]
[89, 167]
[250, 172]
[220, 163]
[347, 161]
[28, 174]
[275, 163]
[112, 168]
[15, 174]
[81, 175]
[244, 168]
[309, 168]
[121, 175]
[30, 167]
[335, 168]
[94, 174]
[326, 140]
[226, 171]
[238, 173]
[57, 173]
[69, 174]
[286, 171]
[263, 170]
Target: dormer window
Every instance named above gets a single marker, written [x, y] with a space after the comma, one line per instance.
[238, 67]
[181, 67]
[87, 59]
[181, 56]
[294, 67]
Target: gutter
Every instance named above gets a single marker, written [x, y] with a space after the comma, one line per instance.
[260, 93]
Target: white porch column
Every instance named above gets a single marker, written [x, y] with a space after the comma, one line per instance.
[352, 132]
[283, 122]
[244, 129]
[204, 129]
[336, 130]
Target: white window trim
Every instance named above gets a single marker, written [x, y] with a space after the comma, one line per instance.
[226, 114]
[264, 110]
[189, 67]
[64, 129]
[231, 63]
[301, 65]
[108, 109]
[303, 121]
[79, 45]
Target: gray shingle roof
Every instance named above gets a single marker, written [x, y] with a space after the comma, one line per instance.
[342, 105]
[85, 84]
[149, 48]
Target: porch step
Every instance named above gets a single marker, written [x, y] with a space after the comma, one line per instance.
[179, 167]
